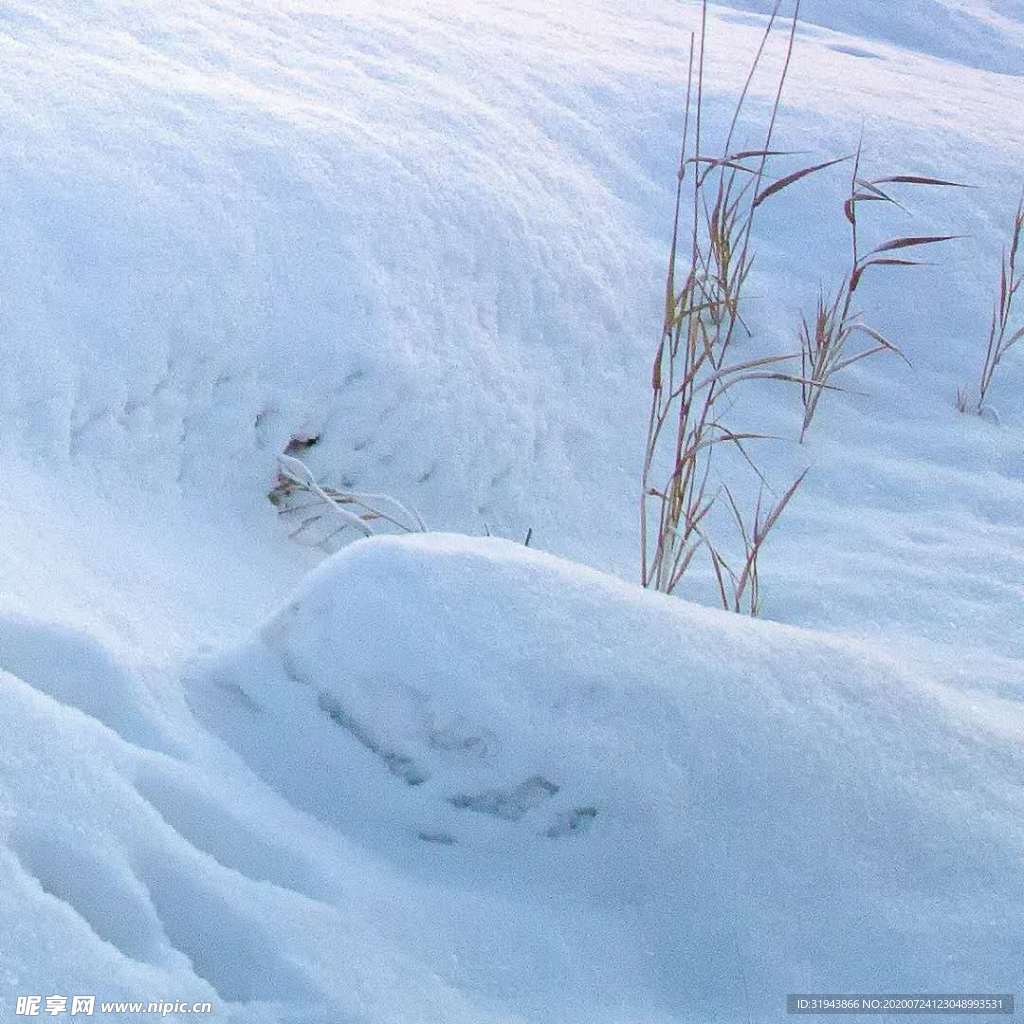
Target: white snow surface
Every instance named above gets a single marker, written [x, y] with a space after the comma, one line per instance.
[449, 778]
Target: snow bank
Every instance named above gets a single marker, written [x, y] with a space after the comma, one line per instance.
[477, 711]
[462, 780]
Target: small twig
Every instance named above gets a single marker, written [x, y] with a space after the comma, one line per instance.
[295, 476]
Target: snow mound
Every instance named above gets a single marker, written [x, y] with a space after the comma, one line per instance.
[462, 780]
[477, 705]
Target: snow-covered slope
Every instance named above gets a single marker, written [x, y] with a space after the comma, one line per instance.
[434, 238]
[459, 780]
[984, 34]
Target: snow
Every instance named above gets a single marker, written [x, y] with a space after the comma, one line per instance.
[446, 777]
[984, 34]
[421, 784]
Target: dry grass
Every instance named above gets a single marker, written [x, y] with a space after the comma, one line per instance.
[825, 339]
[1001, 338]
[694, 369]
[709, 262]
[741, 591]
[326, 513]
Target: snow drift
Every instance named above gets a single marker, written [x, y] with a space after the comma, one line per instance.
[477, 711]
[458, 779]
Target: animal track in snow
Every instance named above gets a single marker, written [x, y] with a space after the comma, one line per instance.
[400, 765]
[509, 804]
[576, 821]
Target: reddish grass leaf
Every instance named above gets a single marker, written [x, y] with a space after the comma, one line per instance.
[910, 242]
[919, 179]
[789, 179]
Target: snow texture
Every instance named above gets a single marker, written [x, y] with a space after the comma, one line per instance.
[448, 777]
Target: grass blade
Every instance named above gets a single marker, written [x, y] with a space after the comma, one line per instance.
[789, 179]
